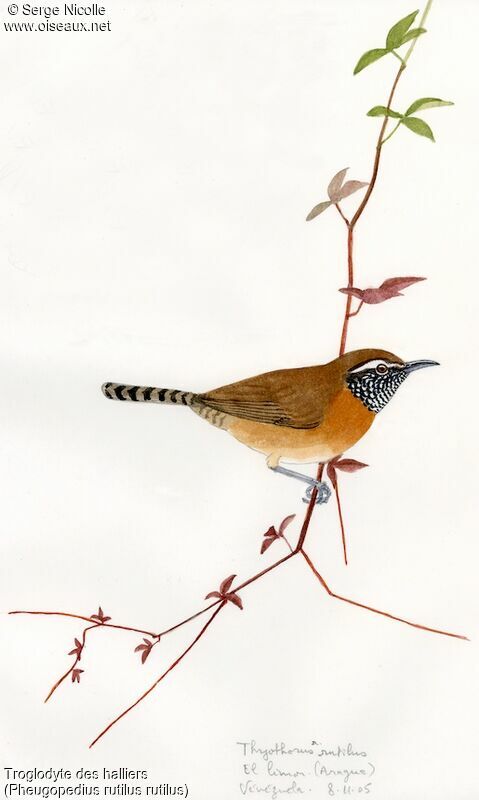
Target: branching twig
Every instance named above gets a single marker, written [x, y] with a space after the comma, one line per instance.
[162, 676]
[376, 610]
[77, 659]
[86, 619]
[356, 216]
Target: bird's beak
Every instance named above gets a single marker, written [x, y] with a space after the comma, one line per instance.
[410, 366]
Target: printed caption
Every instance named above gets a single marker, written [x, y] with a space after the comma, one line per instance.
[58, 783]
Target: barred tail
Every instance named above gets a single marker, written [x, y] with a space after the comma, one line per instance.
[146, 394]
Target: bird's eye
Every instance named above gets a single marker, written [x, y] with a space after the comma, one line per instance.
[381, 369]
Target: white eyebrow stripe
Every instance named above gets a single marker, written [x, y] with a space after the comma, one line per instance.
[375, 362]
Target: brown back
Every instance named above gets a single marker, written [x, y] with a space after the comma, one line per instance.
[296, 398]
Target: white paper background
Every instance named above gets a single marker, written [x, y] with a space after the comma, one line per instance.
[154, 184]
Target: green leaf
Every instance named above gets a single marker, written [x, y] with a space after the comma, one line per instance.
[318, 210]
[418, 126]
[412, 35]
[369, 58]
[427, 102]
[399, 30]
[382, 111]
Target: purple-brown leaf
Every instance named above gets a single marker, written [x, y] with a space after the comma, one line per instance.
[400, 283]
[353, 292]
[232, 597]
[388, 289]
[271, 532]
[76, 675]
[76, 650]
[267, 543]
[349, 465]
[225, 585]
[144, 649]
[287, 521]
[213, 594]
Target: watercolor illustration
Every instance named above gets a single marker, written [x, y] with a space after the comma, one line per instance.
[308, 414]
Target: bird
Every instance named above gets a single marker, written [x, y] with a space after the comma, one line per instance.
[297, 415]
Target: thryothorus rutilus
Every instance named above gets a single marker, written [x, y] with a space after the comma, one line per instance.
[308, 414]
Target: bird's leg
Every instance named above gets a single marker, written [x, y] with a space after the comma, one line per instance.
[324, 492]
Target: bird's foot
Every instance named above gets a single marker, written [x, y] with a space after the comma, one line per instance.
[323, 495]
[323, 490]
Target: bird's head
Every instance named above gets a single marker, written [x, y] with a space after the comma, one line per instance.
[374, 376]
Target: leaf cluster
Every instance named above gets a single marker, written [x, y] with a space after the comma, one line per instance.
[225, 594]
[399, 34]
[337, 190]
[412, 123]
[272, 534]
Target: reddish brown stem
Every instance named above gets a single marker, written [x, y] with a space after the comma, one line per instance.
[162, 676]
[341, 521]
[69, 671]
[233, 589]
[376, 610]
[340, 211]
[349, 300]
[354, 313]
[86, 619]
[356, 216]
[309, 511]
[377, 156]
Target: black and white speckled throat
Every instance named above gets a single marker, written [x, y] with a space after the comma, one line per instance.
[375, 391]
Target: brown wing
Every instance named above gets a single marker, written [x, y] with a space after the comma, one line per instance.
[295, 398]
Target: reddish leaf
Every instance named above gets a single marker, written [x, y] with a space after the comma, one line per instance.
[374, 296]
[350, 465]
[212, 594]
[287, 521]
[76, 675]
[400, 283]
[234, 598]
[225, 585]
[76, 650]
[271, 532]
[267, 543]
[144, 649]
[353, 292]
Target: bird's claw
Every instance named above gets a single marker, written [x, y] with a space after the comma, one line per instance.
[323, 495]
